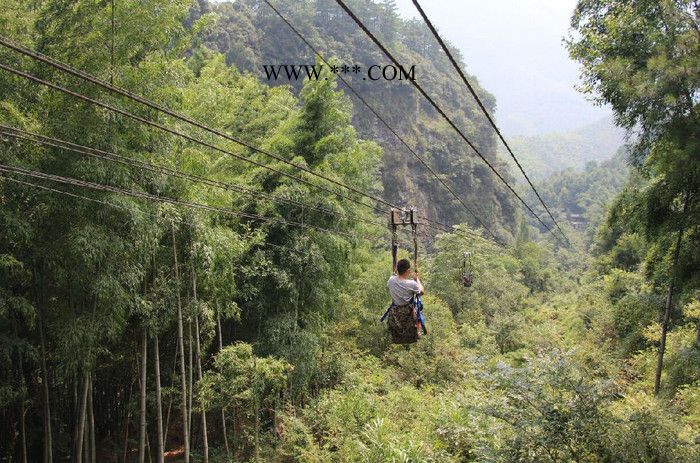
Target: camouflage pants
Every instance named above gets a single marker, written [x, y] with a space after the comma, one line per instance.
[402, 324]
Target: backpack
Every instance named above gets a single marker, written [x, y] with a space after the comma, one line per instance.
[402, 324]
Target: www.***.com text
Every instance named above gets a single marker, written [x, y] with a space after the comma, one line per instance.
[314, 71]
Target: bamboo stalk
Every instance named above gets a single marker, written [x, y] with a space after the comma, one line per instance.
[223, 410]
[80, 422]
[92, 454]
[198, 353]
[48, 441]
[180, 341]
[159, 406]
[142, 414]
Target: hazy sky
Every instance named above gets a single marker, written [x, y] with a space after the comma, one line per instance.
[515, 49]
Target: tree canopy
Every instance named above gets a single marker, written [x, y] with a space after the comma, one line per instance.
[211, 291]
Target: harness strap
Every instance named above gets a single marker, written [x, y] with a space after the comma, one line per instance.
[415, 246]
[386, 314]
[418, 303]
[394, 248]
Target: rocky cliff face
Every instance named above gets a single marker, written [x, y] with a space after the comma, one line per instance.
[251, 35]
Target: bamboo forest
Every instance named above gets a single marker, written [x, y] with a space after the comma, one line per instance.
[350, 231]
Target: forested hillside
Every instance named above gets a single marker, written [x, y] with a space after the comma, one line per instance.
[581, 196]
[251, 35]
[194, 262]
[544, 155]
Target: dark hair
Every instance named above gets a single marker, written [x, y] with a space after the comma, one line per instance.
[402, 266]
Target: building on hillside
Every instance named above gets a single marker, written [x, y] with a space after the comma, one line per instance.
[578, 221]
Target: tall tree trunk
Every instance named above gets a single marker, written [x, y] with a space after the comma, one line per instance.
[198, 354]
[86, 438]
[189, 375]
[22, 409]
[90, 424]
[205, 440]
[257, 428]
[170, 402]
[86, 434]
[669, 303]
[180, 341]
[48, 441]
[92, 454]
[128, 418]
[148, 447]
[159, 406]
[80, 422]
[223, 410]
[256, 400]
[697, 343]
[142, 421]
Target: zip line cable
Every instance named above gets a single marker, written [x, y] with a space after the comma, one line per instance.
[364, 28]
[152, 213]
[160, 169]
[163, 199]
[160, 108]
[85, 76]
[429, 222]
[385, 123]
[187, 137]
[96, 153]
[484, 110]
[155, 215]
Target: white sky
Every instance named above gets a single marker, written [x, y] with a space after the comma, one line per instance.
[515, 49]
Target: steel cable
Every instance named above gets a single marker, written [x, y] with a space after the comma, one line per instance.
[420, 89]
[485, 111]
[386, 124]
[160, 169]
[163, 199]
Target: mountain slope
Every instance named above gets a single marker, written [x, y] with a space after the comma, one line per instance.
[251, 35]
[543, 155]
[581, 196]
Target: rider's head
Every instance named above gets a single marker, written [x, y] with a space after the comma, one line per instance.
[403, 266]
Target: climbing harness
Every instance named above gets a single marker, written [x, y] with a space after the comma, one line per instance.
[467, 270]
[406, 322]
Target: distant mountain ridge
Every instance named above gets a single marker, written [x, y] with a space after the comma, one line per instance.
[544, 155]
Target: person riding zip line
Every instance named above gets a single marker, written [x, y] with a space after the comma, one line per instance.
[405, 318]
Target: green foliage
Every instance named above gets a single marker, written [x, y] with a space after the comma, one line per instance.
[648, 433]
[583, 195]
[250, 35]
[240, 379]
[533, 259]
[305, 372]
[553, 412]
[636, 56]
[545, 155]
[556, 412]
[631, 315]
